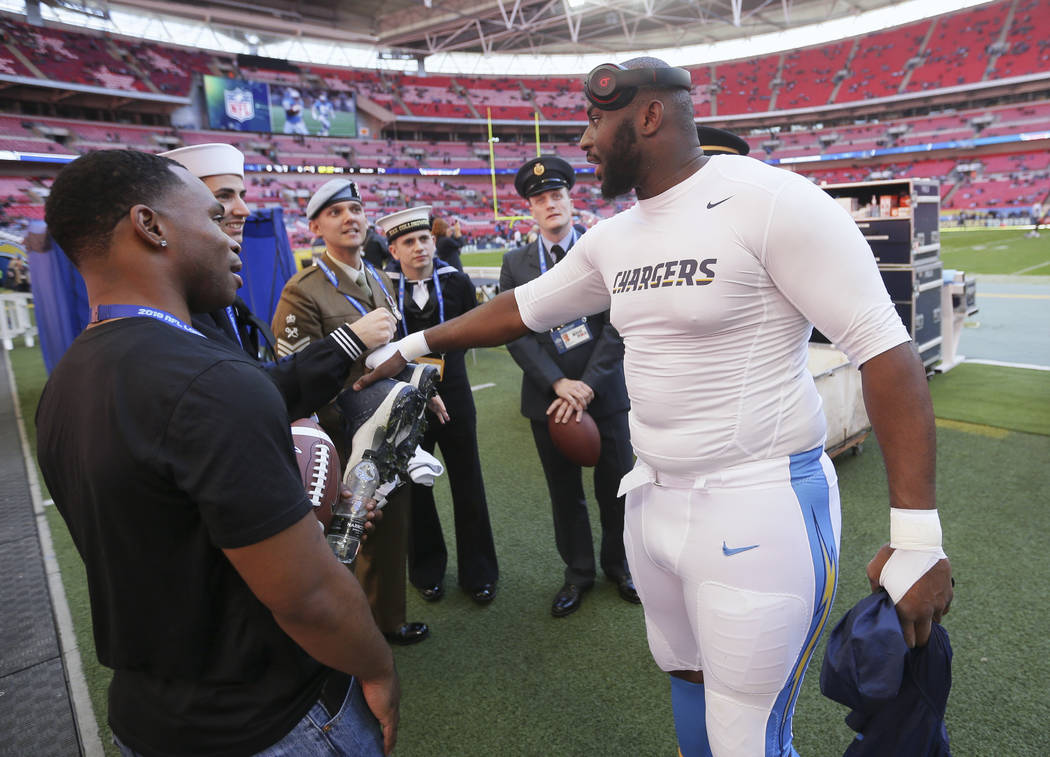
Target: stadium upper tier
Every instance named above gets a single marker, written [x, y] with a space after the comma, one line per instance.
[983, 44]
[1007, 178]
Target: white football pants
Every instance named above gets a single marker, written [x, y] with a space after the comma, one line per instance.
[737, 572]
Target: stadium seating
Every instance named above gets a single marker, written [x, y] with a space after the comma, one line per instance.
[808, 76]
[1027, 48]
[965, 47]
[958, 50]
[996, 40]
[169, 68]
[880, 64]
[745, 86]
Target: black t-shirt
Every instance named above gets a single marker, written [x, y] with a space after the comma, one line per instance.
[160, 449]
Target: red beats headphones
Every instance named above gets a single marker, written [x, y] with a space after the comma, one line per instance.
[611, 86]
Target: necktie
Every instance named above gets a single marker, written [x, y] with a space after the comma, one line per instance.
[420, 294]
[557, 253]
[362, 281]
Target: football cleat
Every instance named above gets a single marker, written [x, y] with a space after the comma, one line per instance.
[423, 376]
[381, 420]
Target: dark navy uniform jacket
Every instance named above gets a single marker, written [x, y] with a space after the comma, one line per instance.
[599, 363]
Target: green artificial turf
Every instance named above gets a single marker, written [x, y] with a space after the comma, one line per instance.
[508, 679]
[996, 251]
[487, 258]
[1011, 398]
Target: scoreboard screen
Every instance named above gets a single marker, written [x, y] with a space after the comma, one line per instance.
[245, 105]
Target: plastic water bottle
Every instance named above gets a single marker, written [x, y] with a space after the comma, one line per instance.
[348, 518]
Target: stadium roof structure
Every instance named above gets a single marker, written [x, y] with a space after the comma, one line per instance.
[419, 28]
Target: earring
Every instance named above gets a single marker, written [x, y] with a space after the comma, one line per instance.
[164, 243]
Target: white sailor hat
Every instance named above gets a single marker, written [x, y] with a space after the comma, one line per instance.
[405, 221]
[212, 159]
[331, 192]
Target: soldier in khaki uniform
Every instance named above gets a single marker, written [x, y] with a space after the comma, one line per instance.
[340, 288]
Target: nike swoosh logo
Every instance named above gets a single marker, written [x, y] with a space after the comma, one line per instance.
[716, 204]
[727, 551]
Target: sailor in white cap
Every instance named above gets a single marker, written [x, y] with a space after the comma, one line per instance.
[314, 377]
[221, 167]
[428, 292]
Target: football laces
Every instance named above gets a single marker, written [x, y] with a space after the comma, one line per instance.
[320, 474]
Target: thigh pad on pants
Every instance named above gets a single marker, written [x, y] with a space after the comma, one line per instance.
[750, 640]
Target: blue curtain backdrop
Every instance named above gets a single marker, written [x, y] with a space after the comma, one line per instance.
[268, 261]
[60, 298]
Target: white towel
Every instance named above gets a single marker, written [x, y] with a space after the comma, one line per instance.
[423, 468]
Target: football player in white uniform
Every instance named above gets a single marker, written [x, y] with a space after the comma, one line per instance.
[322, 110]
[732, 517]
[293, 112]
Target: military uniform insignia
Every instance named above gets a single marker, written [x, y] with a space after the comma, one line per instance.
[539, 169]
[290, 318]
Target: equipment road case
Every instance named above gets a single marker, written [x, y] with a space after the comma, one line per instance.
[899, 217]
[916, 293]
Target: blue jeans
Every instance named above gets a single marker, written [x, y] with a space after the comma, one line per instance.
[351, 732]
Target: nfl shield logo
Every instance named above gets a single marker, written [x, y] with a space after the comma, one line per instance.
[239, 105]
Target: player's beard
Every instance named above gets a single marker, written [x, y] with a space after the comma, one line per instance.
[620, 167]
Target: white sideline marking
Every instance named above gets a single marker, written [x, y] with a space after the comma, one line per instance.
[1001, 364]
[1031, 268]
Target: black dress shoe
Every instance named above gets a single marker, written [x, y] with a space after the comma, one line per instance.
[409, 633]
[484, 594]
[628, 593]
[432, 593]
[567, 600]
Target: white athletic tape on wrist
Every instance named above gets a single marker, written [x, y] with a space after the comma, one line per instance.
[915, 529]
[412, 346]
[916, 537]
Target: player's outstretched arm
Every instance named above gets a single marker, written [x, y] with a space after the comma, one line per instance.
[913, 568]
[319, 603]
[496, 322]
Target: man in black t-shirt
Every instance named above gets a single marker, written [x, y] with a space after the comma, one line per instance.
[170, 458]
[308, 380]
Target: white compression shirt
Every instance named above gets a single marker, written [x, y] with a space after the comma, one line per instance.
[713, 286]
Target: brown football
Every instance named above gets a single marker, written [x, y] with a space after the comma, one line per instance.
[319, 467]
[580, 441]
